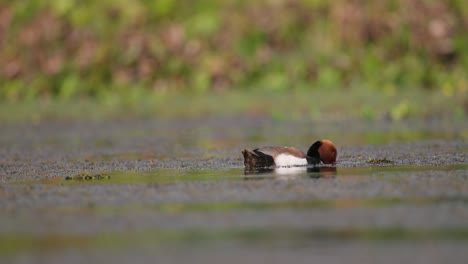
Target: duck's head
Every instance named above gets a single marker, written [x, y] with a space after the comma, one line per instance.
[323, 150]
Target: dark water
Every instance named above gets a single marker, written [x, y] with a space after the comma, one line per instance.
[177, 191]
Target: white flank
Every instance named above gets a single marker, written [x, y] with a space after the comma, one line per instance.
[284, 160]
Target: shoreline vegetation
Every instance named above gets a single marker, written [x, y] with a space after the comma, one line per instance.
[318, 106]
[329, 59]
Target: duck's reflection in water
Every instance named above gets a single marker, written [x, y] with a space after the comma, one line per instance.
[290, 172]
[321, 172]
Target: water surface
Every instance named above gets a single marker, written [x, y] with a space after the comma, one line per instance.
[177, 191]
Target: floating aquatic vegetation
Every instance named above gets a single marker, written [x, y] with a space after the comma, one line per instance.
[379, 160]
[87, 177]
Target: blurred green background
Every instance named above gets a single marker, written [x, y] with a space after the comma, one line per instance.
[328, 59]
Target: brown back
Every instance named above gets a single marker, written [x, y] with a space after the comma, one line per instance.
[275, 151]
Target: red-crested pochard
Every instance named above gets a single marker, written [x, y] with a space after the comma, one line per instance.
[322, 150]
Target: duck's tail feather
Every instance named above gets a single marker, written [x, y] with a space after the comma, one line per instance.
[255, 159]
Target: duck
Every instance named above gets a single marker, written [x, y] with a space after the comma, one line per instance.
[321, 151]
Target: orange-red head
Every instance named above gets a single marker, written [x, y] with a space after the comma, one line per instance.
[323, 150]
[327, 152]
